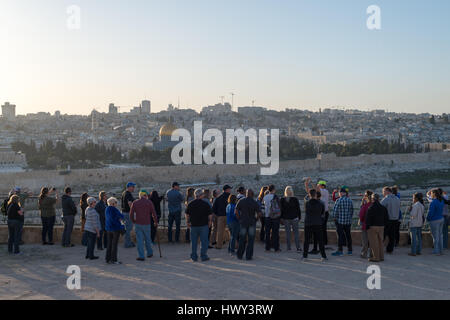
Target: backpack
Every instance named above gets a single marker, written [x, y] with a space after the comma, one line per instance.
[274, 209]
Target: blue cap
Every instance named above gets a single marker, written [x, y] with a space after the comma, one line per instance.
[131, 184]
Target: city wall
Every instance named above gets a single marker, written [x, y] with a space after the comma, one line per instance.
[34, 180]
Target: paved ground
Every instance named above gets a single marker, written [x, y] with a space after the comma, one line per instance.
[40, 274]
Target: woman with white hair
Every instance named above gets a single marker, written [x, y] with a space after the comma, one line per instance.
[91, 228]
[114, 228]
[291, 215]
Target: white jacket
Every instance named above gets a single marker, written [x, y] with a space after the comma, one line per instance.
[416, 215]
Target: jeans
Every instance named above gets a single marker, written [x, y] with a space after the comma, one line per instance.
[416, 240]
[436, 231]
[345, 236]
[174, 217]
[317, 233]
[234, 230]
[202, 233]
[244, 244]
[14, 231]
[445, 232]
[113, 243]
[91, 238]
[47, 228]
[272, 238]
[68, 228]
[143, 234]
[292, 225]
[128, 228]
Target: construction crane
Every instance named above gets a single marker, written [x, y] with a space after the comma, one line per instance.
[232, 99]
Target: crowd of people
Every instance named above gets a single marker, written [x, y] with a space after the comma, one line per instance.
[215, 217]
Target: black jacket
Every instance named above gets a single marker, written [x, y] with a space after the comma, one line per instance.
[68, 206]
[220, 205]
[290, 209]
[377, 215]
[315, 213]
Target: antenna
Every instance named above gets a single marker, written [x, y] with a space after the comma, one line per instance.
[232, 99]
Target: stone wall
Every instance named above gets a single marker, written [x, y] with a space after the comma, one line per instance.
[199, 173]
[32, 235]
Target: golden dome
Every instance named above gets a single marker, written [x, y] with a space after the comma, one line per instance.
[167, 129]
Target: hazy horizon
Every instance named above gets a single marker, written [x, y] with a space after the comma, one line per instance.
[290, 54]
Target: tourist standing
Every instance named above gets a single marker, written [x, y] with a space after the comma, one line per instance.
[233, 223]
[16, 219]
[365, 204]
[376, 219]
[446, 215]
[435, 218]
[91, 228]
[417, 219]
[273, 217]
[220, 211]
[240, 193]
[291, 216]
[392, 204]
[199, 219]
[262, 218]
[174, 201]
[400, 216]
[189, 197]
[343, 215]
[247, 211]
[156, 199]
[46, 205]
[83, 206]
[314, 215]
[127, 200]
[113, 227]
[140, 214]
[101, 207]
[69, 211]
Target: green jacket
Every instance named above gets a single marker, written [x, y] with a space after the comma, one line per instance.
[47, 207]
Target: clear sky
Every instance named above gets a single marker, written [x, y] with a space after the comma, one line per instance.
[280, 53]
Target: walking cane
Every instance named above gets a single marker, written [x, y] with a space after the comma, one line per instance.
[159, 243]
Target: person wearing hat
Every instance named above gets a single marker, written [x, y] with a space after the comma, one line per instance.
[220, 212]
[23, 196]
[91, 228]
[199, 219]
[127, 201]
[141, 213]
[343, 216]
[174, 201]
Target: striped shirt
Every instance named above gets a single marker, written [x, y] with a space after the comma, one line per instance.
[92, 220]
